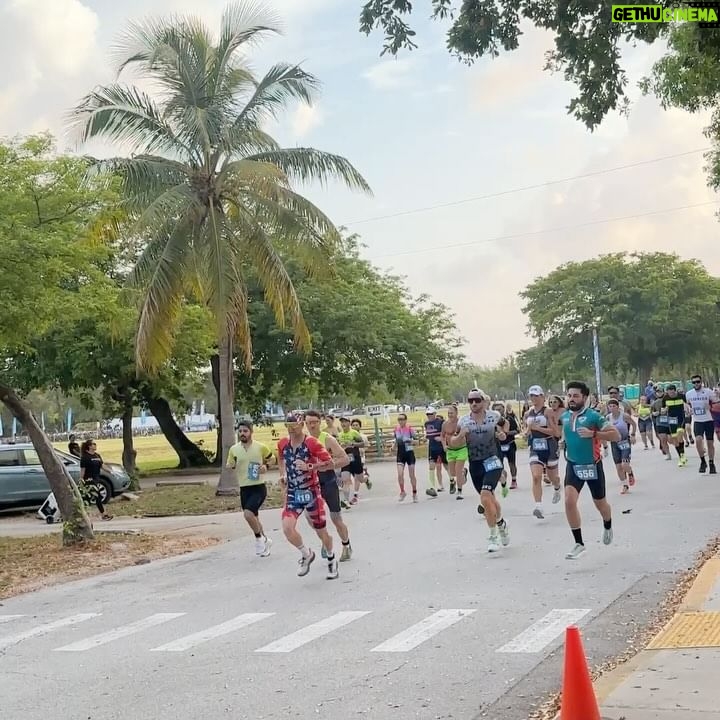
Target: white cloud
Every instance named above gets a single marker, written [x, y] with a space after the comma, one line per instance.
[305, 119]
[390, 74]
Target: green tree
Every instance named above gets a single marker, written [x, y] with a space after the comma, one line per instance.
[208, 188]
[369, 337]
[687, 77]
[588, 45]
[646, 307]
[48, 231]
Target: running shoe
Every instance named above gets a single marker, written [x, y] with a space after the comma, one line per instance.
[415, 497]
[354, 500]
[538, 513]
[259, 545]
[631, 479]
[682, 461]
[625, 490]
[344, 504]
[556, 496]
[403, 495]
[576, 552]
[266, 547]
[703, 465]
[505, 490]
[305, 563]
[346, 553]
[459, 496]
[432, 492]
[713, 471]
[504, 534]
[332, 572]
[607, 536]
[513, 485]
[453, 487]
[493, 544]
[441, 489]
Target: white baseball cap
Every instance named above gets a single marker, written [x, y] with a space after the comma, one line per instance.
[429, 410]
[536, 390]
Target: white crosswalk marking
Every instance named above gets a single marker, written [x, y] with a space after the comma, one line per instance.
[9, 618]
[422, 631]
[198, 638]
[544, 631]
[45, 628]
[312, 632]
[119, 632]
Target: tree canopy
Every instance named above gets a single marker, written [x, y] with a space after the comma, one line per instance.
[588, 45]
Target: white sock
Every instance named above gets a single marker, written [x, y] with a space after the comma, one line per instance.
[304, 552]
[538, 505]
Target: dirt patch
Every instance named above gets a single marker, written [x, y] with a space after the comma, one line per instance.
[33, 563]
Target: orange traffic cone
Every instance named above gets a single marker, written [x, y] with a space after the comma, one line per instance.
[578, 697]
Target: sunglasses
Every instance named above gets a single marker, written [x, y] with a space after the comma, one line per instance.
[697, 382]
[472, 401]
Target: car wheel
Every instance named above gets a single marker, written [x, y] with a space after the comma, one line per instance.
[105, 489]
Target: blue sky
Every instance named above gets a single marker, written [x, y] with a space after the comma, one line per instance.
[424, 130]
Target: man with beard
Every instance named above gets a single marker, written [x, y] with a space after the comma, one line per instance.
[584, 432]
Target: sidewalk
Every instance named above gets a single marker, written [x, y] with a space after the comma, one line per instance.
[678, 676]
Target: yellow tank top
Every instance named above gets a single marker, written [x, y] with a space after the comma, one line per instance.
[644, 411]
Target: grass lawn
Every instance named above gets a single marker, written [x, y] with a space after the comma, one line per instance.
[32, 563]
[154, 454]
[184, 500]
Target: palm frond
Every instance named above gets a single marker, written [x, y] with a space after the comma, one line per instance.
[307, 165]
[127, 116]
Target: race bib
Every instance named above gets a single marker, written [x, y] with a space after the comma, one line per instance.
[539, 444]
[672, 421]
[585, 472]
[408, 446]
[253, 471]
[623, 445]
[663, 420]
[504, 448]
[492, 463]
[699, 411]
[302, 497]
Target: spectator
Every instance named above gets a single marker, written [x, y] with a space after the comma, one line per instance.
[91, 463]
[73, 446]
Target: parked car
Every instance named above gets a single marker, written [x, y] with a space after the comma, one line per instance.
[23, 482]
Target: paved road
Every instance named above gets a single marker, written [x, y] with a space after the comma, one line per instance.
[422, 622]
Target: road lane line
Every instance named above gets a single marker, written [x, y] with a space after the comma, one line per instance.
[45, 628]
[10, 618]
[312, 632]
[119, 632]
[540, 634]
[420, 632]
[216, 631]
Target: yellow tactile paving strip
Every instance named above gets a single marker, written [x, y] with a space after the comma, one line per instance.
[689, 630]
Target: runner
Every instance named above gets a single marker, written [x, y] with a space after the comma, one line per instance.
[499, 408]
[622, 449]
[250, 460]
[330, 427]
[674, 403]
[405, 440]
[357, 426]
[329, 487]
[614, 393]
[300, 457]
[479, 431]
[662, 424]
[543, 430]
[352, 474]
[645, 422]
[715, 411]
[584, 429]
[701, 400]
[456, 457]
[510, 454]
[436, 451]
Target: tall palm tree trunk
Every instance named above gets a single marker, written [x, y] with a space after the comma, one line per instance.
[228, 483]
[76, 525]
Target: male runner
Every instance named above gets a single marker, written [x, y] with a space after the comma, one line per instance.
[662, 424]
[700, 399]
[352, 473]
[356, 425]
[300, 458]
[329, 481]
[622, 449]
[405, 439]
[674, 403]
[543, 433]
[250, 459]
[436, 451]
[510, 454]
[480, 432]
[584, 431]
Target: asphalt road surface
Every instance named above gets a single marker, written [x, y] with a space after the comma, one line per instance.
[422, 623]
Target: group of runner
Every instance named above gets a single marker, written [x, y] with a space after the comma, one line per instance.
[317, 464]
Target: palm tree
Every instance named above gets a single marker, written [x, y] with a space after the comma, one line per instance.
[208, 188]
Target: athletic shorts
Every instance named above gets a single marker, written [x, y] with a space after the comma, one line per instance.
[662, 429]
[620, 456]
[330, 490]
[483, 479]
[309, 500]
[405, 457]
[678, 429]
[549, 458]
[704, 429]
[508, 451]
[457, 454]
[354, 468]
[645, 425]
[436, 454]
[252, 497]
[595, 484]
